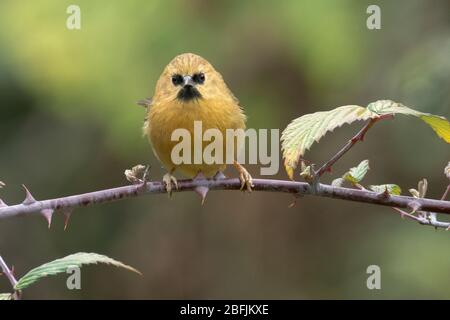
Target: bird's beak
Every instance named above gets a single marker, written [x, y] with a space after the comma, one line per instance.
[187, 81]
[189, 90]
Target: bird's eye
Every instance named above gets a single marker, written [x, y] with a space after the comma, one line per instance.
[177, 79]
[199, 78]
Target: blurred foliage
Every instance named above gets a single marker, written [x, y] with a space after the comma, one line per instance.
[69, 124]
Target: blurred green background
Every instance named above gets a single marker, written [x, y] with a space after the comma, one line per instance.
[69, 124]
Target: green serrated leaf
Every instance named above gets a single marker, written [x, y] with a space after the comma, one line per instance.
[356, 174]
[5, 296]
[301, 133]
[392, 189]
[440, 125]
[60, 266]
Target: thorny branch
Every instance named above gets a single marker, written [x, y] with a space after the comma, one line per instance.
[423, 217]
[426, 209]
[66, 204]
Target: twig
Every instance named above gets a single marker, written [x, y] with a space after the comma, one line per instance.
[297, 188]
[446, 192]
[423, 219]
[358, 137]
[9, 274]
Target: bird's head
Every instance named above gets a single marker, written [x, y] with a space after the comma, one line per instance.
[190, 78]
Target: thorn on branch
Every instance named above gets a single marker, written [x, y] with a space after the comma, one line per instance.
[29, 199]
[2, 204]
[67, 213]
[385, 194]
[47, 214]
[202, 191]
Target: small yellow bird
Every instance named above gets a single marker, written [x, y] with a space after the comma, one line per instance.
[190, 89]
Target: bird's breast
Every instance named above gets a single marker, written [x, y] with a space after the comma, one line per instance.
[212, 114]
[164, 119]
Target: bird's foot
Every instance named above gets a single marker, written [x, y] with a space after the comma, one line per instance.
[245, 177]
[167, 180]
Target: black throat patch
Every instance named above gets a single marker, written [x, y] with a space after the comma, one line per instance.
[188, 93]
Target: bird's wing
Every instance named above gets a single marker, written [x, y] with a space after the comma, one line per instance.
[145, 102]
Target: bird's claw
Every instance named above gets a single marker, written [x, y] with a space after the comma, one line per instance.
[246, 181]
[167, 180]
[245, 178]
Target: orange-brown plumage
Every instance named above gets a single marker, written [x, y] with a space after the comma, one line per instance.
[215, 106]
